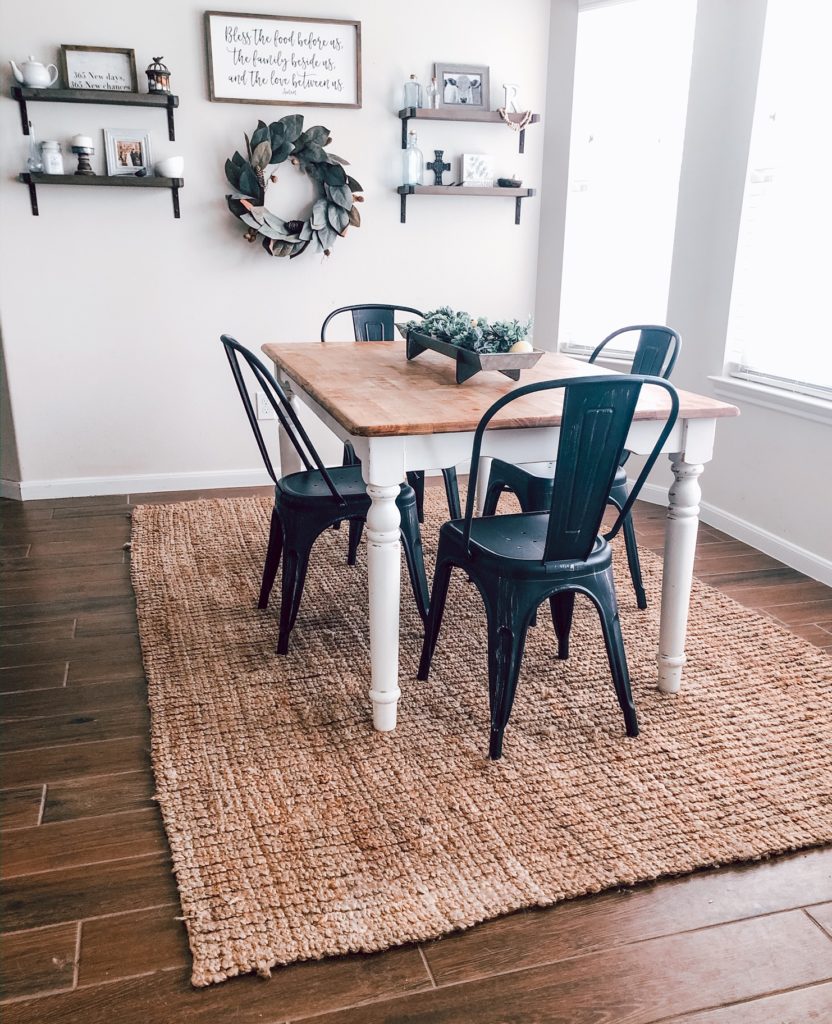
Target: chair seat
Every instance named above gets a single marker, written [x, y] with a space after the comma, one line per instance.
[517, 543]
[309, 485]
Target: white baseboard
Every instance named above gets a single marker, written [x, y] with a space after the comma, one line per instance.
[785, 551]
[85, 486]
[10, 489]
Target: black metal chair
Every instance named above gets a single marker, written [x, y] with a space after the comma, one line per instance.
[655, 355]
[376, 322]
[309, 502]
[518, 561]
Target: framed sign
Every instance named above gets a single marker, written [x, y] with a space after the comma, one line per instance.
[262, 58]
[99, 67]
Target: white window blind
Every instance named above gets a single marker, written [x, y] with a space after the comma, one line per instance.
[780, 327]
[632, 74]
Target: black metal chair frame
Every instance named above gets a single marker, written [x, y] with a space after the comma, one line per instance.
[374, 321]
[309, 502]
[656, 354]
[518, 561]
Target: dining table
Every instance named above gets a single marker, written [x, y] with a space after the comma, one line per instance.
[402, 415]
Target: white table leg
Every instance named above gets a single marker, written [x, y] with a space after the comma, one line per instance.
[483, 474]
[383, 472]
[679, 552]
[290, 461]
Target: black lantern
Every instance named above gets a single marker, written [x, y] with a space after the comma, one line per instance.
[158, 76]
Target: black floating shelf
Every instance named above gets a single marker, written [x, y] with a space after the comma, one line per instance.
[518, 194]
[118, 180]
[25, 95]
[461, 113]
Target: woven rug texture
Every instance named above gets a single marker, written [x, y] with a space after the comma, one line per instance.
[298, 832]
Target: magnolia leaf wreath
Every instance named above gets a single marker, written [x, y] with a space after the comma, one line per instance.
[332, 212]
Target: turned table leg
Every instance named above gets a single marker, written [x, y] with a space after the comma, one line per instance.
[383, 472]
[679, 552]
[290, 461]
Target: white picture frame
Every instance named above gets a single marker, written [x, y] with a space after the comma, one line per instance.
[477, 170]
[127, 151]
[282, 60]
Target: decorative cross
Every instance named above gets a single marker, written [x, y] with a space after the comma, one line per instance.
[438, 166]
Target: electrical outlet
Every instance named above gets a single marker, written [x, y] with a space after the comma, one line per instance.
[264, 407]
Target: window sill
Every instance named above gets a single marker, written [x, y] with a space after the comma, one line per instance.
[803, 406]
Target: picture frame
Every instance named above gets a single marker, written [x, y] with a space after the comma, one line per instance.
[463, 86]
[477, 170]
[127, 151]
[282, 60]
[105, 68]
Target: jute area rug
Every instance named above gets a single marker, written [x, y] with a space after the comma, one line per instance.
[299, 832]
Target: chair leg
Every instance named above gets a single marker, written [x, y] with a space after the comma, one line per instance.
[414, 556]
[416, 479]
[295, 564]
[349, 459]
[441, 581]
[492, 497]
[618, 497]
[633, 561]
[604, 591]
[562, 606]
[356, 528]
[272, 559]
[452, 492]
[507, 626]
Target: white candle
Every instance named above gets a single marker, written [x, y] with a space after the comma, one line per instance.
[82, 141]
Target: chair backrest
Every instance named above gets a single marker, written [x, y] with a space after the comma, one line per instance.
[656, 352]
[283, 408]
[371, 322]
[597, 413]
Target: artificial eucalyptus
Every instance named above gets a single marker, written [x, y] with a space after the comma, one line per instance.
[332, 212]
[478, 335]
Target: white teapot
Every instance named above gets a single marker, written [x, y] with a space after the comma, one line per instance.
[35, 75]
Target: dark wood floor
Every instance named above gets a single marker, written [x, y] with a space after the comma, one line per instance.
[90, 915]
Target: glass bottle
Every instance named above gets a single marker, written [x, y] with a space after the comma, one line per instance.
[412, 92]
[433, 95]
[35, 161]
[413, 162]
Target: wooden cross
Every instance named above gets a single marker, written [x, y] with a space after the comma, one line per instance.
[438, 166]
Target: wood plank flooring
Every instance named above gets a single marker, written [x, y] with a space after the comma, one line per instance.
[90, 918]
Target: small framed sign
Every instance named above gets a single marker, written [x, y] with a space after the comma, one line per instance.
[108, 68]
[262, 58]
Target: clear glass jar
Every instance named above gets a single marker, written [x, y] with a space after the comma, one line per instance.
[413, 162]
[432, 98]
[53, 158]
[412, 92]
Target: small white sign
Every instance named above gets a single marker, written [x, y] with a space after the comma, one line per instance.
[255, 58]
[477, 170]
[96, 67]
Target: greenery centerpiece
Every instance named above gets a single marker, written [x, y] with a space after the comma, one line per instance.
[475, 344]
[476, 335]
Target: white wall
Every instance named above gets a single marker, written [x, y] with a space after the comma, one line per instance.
[112, 309]
[767, 483]
[563, 28]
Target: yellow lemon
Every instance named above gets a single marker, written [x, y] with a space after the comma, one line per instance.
[521, 346]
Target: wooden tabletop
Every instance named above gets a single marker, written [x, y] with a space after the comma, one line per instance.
[372, 390]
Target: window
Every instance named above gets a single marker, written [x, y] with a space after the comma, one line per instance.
[780, 325]
[632, 71]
